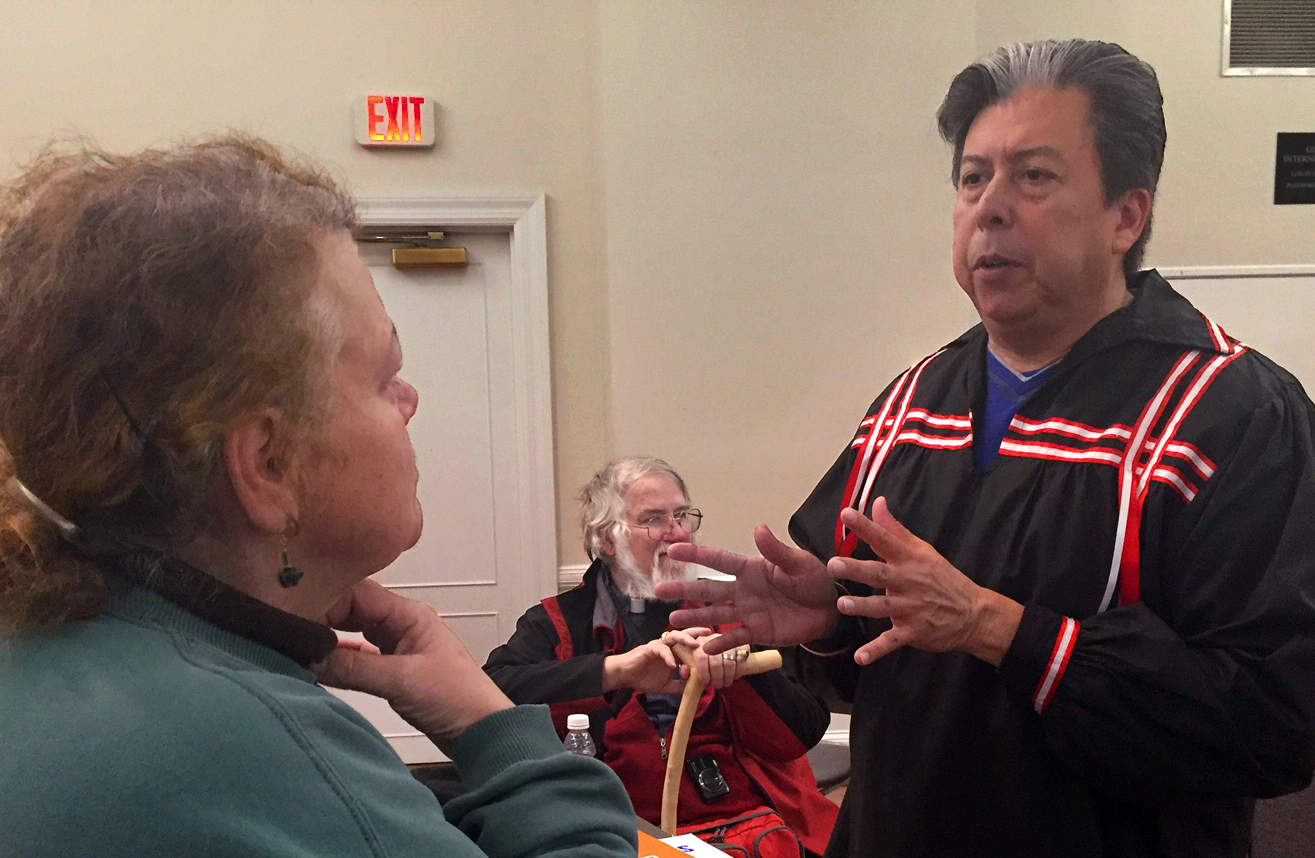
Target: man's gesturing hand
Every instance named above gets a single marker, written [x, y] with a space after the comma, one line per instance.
[931, 605]
[782, 598]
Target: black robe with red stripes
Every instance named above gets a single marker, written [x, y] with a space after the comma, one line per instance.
[1164, 670]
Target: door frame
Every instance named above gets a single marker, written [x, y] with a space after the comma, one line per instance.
[523, 219]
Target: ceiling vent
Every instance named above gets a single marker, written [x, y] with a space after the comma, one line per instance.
[1269, 37]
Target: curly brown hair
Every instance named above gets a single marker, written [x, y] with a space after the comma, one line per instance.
[148, 304]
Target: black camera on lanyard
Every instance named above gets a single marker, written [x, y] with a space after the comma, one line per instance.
[707, 778]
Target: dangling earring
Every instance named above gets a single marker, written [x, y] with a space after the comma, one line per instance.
[289, 575]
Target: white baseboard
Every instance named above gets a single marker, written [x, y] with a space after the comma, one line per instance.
[838, 732]
[570, 576]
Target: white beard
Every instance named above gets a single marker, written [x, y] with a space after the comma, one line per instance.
[638, 583]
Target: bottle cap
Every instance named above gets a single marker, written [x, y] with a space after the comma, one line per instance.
[577, 722]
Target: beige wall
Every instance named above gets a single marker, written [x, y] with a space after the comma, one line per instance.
[515, 83]
[1216, 195]
[748, 205]
[777, 232]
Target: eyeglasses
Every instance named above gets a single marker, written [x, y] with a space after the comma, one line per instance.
[658, 524]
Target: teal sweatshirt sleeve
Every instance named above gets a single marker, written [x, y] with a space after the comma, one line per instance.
[528, 797]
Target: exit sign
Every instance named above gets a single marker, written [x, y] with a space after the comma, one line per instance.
[394, 120]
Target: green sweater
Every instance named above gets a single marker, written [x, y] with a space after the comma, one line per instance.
[152, 732]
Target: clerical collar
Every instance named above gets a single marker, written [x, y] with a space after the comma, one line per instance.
[212, 600]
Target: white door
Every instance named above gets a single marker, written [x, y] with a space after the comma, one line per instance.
[460, 352]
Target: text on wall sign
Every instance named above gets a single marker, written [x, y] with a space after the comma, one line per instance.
[394, 120]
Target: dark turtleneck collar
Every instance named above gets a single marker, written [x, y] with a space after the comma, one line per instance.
[212, 600]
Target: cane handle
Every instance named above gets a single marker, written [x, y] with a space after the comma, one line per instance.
[757, 662]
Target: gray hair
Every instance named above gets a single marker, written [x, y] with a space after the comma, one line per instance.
[1127, 109]
[603, 499]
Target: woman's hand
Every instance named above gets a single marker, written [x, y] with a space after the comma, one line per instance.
[416, 663]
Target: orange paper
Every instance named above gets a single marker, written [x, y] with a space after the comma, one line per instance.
[651, 847]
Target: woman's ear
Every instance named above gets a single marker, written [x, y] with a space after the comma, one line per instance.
[258, 471]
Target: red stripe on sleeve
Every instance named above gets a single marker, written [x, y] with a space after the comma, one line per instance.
[1055, 667]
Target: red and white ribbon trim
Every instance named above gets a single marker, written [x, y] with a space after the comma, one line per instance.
[1135, 478]
[1128, 472]
[1045, 690]
[877, 448]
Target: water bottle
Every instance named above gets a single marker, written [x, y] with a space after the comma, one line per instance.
[578, 740]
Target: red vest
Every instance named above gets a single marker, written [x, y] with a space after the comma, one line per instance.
[758, 755]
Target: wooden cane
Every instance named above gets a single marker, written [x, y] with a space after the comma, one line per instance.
[757, 662]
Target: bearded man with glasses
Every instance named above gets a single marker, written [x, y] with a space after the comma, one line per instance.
[603, 649]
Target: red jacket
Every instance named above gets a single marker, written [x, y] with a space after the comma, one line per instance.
[759, 729]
